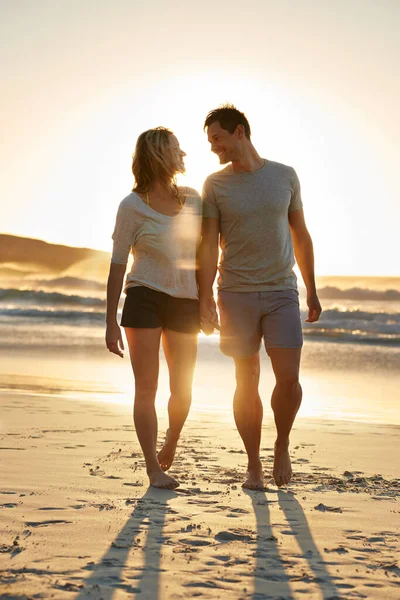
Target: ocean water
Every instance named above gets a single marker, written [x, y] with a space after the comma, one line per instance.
[52, 342]
[369, 315]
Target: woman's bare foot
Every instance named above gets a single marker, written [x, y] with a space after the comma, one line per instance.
[159, 479]
[282, 471]
[167, 453]
[255, 477]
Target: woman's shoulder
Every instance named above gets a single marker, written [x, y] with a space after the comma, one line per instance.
[131, 202]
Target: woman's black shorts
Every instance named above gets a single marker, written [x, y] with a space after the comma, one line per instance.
[146, 308]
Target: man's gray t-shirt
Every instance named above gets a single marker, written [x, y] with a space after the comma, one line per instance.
[252, 208]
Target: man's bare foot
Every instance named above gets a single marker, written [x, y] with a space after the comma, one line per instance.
[255, 477]
[158, 479]
[282, 471]
[167, 453]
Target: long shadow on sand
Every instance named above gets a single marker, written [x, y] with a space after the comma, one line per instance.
[271, 577]
[299, 527]
[112, 572]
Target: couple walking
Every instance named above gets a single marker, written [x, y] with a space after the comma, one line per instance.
[252, 211]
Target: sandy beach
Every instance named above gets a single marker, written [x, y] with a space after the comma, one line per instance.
[78, 519]
[123, 125]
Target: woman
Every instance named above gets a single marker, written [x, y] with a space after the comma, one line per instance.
[160, 222]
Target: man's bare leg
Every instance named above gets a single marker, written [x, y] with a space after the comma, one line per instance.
[285, 402]
[180, 351]
[144, 346]
[248, 413]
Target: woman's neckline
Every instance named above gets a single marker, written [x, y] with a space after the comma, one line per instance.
[157, 212]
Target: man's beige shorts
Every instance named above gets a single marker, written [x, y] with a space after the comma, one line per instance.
[247, 317]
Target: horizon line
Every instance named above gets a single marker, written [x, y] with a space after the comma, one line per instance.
[17, 235]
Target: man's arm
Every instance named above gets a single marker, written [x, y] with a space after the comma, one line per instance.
[114, 340]
[304, 254]
[208, 260]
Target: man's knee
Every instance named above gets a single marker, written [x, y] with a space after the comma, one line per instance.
[247, 370]
[288, 383]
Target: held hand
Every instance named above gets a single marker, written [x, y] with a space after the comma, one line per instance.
[314, 308]
[114, 341]
[208, 316]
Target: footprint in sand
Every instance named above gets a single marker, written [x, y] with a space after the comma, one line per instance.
[104, 506]
[12, 549]
[323, 508]
[68, 587]
[195, 541]
[203, 584]
[233, 536]
[236, 512]
[47, 523]
[352, 531]
[134, 484]
[338, 550]
[96, 472]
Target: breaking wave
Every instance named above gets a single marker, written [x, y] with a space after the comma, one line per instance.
[41, 298]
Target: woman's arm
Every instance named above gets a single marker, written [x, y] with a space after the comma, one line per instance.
[115, 280]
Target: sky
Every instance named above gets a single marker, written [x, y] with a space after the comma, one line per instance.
[318, 81]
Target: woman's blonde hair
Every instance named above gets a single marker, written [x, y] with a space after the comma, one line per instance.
[155, 159]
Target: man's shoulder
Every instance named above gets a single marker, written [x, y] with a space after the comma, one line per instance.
[280, 167]
[221, 175]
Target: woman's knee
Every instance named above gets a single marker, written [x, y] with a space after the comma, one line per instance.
[145, 390]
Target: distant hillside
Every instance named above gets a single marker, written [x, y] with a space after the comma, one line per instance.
[33, 264]
[52, 257]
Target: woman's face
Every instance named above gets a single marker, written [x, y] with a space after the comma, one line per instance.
[177, 155]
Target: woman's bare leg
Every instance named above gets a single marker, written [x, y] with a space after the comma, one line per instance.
[144, 347]
[180, 351]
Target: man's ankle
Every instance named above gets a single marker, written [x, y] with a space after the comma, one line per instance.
[282, 443]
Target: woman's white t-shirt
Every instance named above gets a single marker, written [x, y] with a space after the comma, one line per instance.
[164, 247]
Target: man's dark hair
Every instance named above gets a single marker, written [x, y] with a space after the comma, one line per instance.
[229, 117]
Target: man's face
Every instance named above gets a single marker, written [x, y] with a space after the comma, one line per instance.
[224, 144]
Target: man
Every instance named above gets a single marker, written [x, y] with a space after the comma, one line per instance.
[253, 209]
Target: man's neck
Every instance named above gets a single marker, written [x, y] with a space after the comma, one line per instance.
[249, 162]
